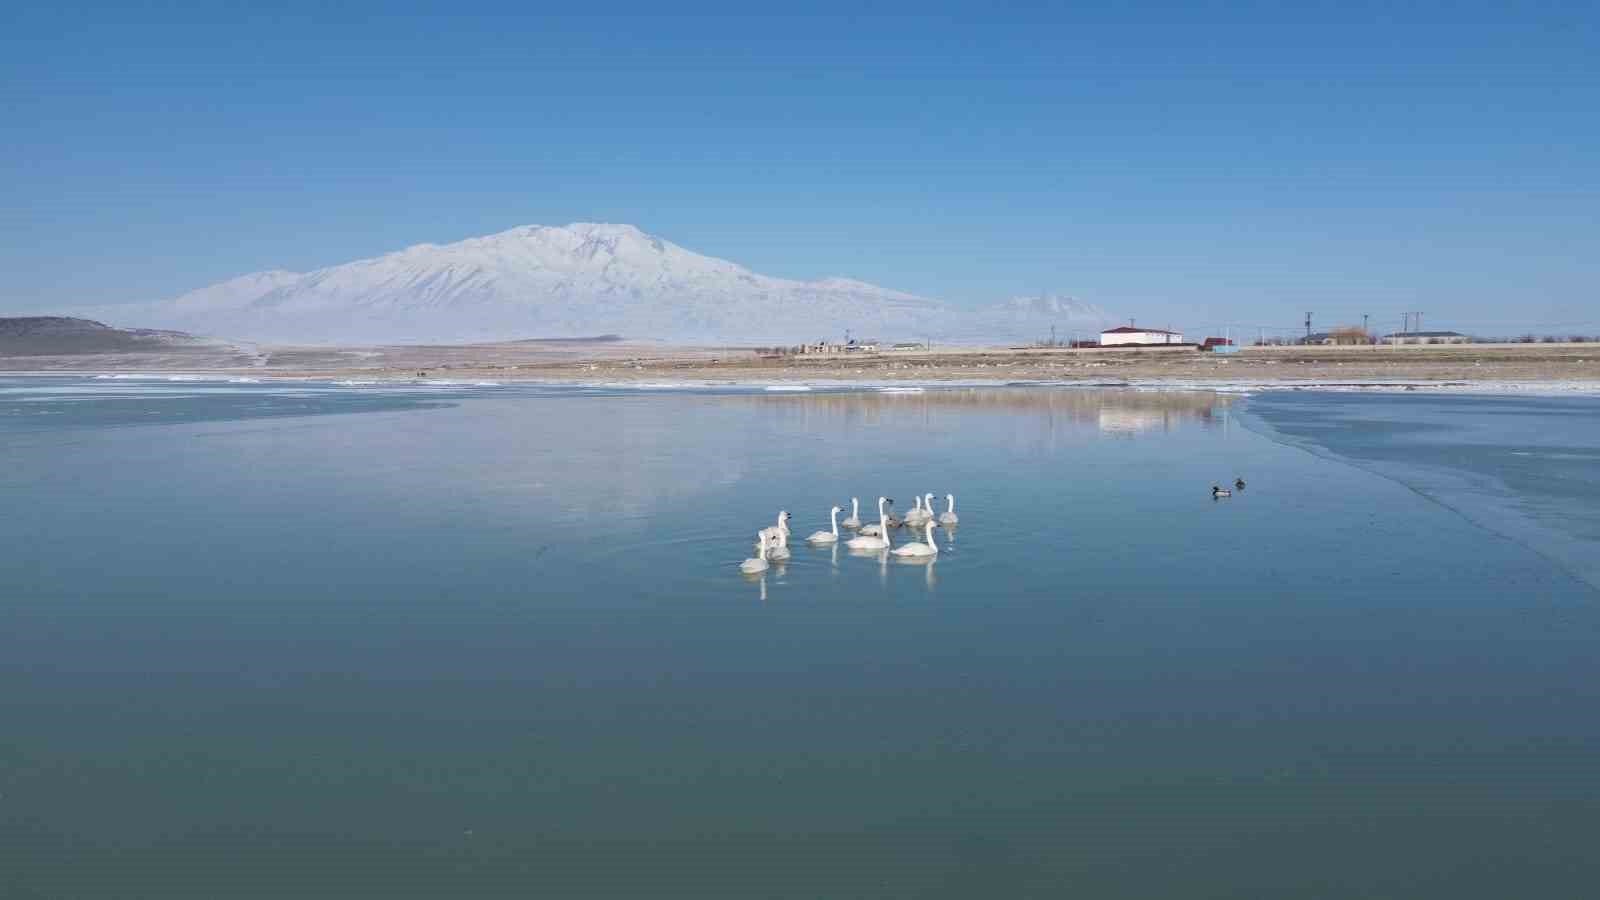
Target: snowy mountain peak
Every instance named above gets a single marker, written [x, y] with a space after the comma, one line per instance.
[1050, 305]
[572, 280]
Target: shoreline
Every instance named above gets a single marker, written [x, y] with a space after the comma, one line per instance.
[1564, 369]
[1541, 387]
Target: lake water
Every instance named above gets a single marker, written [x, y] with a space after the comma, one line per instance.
[479, 641]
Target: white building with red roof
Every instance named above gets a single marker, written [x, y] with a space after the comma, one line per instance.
[1128, 334]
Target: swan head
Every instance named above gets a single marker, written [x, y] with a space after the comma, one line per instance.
[836, 509]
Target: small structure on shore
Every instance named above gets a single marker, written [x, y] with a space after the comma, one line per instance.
[1348, 336]
[1128, 334]
[1427, 337]
[869, 345]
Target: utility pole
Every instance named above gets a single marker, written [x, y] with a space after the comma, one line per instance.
[1308, 328]
[1052, 335]
[1364, 325]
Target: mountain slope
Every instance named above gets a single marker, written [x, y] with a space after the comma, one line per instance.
[67, 336]
[1030, 319]
[545, 282]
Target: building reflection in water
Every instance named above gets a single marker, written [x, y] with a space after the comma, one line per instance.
[1117, 411]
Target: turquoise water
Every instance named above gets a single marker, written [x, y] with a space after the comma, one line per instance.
[447, 640]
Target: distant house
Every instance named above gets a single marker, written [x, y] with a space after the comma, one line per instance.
[1427, 337]
[1127, 334]
[867, 345]
[1211, 343]
[905, 346]
[822, 347]
[1340, 337]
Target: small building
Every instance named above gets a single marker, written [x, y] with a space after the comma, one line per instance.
[1342, 337]
[867, 345]
[905, 347]
[1427, 337]
[822, 347]
[1129, 335]
[1212, 343]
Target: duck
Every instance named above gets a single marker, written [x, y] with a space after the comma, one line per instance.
[918, 548]
[758, 563]
[1220, 492]
[883, 520]
[891, 519]
[948, 517]
[827, 537]
[879, 541]
[1239, 483]
[854, 521]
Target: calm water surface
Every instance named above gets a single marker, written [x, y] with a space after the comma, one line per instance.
[439, 641]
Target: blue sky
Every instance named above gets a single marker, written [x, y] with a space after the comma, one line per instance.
[1199, 164]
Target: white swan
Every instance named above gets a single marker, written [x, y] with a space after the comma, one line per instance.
[923, 512]
[917, 548]
[781, 550]
[759, 562]
[771, 533]
[948, 517]
[879, 541]
[914, 516]
[827, 537]
[879, 528]
[855, 514]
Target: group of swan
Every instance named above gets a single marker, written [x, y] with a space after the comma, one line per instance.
[772, 543]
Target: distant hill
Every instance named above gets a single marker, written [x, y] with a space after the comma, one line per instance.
[573, 281]
[539, 282]
[67, 336]
[1030, 319]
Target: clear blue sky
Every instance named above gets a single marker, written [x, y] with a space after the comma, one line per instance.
[1197, 164]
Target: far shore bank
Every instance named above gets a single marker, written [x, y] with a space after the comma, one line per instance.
[1565, 366]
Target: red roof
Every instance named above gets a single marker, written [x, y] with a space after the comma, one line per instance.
[1129, 329]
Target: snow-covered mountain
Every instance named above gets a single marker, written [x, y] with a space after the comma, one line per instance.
[539, 281]
[550, 282]
[1031, 318]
